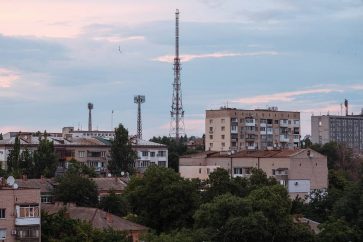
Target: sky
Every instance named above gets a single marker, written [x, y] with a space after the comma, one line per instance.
[56, 56]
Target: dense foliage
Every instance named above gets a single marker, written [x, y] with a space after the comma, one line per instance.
[115, 204]
[58, 228]
[73, 188]
[122, 154]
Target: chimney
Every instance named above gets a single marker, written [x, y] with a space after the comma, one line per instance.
[346, 104]
[90, 107]
[24, 177]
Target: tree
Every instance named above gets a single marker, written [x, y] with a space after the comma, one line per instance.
[76, 189]
[13, 159]
[76, 167]
[114, 203]
[58, 228]
[1, 136]
[45, 159]
[162, 199]
[122, 154]
[338, 231]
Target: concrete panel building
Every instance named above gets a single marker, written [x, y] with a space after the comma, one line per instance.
[259, 129]
[20, 214]
[341, 129]
[301, 171]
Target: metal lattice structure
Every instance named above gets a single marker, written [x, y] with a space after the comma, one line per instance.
[177, 112]
[139, 99]
[90, 107]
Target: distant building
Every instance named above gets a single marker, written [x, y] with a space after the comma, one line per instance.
[341, 129]
[20, 214]
[299, 170]
[95, 152]
[99, 219]
[71, 132]
[259, 129]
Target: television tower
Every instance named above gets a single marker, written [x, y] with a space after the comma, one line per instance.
[139, 99]
[90, 107]
[177, 112]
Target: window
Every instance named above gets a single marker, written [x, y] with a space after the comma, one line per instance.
[223, 144]
[211, 129]
[2, 212]
[222, 136]
[210, 121]
[200, 170]
[82, 154]
[210, 145]
[2, 234]
[29, 211]
[152, 154]
[208, 171]
[223, 120]
[46, 198]
[161, 153]
[223, 128]
[210, 136]
[145, 153]
[28, 233]
[103, 153]
[237, 171]
[162, 163]
[234, 128]
[144, 163]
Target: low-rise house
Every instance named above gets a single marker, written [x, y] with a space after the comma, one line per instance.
[19, 214]
[300, 170]
[99, 219]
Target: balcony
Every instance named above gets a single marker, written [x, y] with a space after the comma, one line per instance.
[284, 138]
[241, 175]
[251, 123]
[27, 221]
[284, 123]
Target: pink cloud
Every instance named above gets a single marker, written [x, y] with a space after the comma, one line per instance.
[190, 57]
[7, 77]
[282, 96]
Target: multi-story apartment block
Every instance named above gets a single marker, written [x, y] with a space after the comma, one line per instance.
[300, 170]
[237, 129]
[93, 151]
[341, 129]
[19, 214]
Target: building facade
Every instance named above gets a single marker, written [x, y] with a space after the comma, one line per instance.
[301, 171]
[20, 214]
[95, 152]
[341, 129]
[260, 129]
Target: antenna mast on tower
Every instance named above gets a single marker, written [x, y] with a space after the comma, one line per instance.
[139, 99]
[90, 107]
[177, 112]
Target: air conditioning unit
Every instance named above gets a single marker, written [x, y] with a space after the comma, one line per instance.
[13, 232]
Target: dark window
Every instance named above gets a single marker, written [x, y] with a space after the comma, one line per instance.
[2, 212]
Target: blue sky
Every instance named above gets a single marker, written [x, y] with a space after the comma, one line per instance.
[56, 56]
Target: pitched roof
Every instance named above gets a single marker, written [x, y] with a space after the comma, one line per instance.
[45, 185]
[96, 217]
[109, 183]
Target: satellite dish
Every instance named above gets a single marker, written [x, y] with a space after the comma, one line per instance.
[122, 173]
[15, 186]
[10, 181]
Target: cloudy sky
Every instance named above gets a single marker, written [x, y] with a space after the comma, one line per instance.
[56, 56]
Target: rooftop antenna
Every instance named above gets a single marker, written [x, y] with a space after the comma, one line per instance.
[90, 107]
[177, 112]
[346, 107]
[139, 99]
[112, 120]
[341, 109]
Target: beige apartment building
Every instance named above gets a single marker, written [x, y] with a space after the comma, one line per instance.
[300, 170]
[19, 214]
[259, 129]
[95, 152]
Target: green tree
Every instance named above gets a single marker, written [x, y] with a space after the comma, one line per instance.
[27, 163]
[76, 167]
[1, 136]
[58, 228]
[162, 199]
[122, 154]
[13, 159]
[45, 159]
[114, 203]
[76, 189]
[338, 231]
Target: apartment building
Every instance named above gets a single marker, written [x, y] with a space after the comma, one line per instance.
[95, 152]
[341, 129]
[259, 129]
[20, 214]
[71, 132]
[300, 170]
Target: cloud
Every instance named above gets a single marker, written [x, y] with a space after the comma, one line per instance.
[282, 96]
[117, 39]
[190, 57]
[7, 77]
